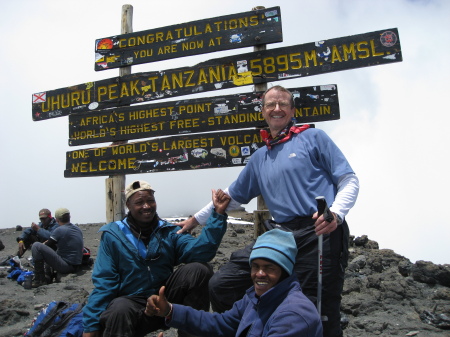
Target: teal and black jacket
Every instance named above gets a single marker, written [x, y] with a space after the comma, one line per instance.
[125, 266]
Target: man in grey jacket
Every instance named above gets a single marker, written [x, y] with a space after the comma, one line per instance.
[63, 251]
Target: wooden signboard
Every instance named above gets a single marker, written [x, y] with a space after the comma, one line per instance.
[187, 152]
[369, 49]
[313, 104]
[192, 38]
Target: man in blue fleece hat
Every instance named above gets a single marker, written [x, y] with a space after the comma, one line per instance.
[272, 259]
[274, 306]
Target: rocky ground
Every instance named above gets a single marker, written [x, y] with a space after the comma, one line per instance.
[384, 293]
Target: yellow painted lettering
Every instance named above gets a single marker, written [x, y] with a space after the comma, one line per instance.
[214, 74]
[124, 90]
[346, 50]
[133, 88]
[165, 83]
[101, 91]
[232, 72]
[254, 20]
[190, 74]
[362, 47]
[202, 78]
[177, 80]
[310, 57]
[112, 91]
[335, 56]
[372, 48]
[208, 28]
[159, 36]
[75, 98]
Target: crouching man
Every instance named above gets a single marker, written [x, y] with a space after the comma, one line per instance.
[274, 306]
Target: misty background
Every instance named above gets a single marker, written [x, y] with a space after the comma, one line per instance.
[393, 127]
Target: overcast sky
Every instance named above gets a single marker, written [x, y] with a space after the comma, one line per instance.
[393, 127]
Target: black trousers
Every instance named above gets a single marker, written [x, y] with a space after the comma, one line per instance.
[231, 281]
[188, 285]
[29, 240]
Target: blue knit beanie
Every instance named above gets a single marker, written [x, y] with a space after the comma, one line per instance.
[277, 246]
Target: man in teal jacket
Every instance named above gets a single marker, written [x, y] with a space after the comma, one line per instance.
[136, 257]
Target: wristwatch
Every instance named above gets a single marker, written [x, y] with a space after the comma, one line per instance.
[338, 219]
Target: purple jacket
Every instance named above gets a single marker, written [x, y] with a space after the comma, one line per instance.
[282, 311]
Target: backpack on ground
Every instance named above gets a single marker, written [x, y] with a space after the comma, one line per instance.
[58, 319]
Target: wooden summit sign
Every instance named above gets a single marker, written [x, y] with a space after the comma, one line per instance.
[192, 38]
[356, 51]
[313, 104]
[176, 153]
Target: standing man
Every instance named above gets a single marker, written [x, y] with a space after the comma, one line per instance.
[296, 165]
[63, 251]
[137, 256]
[37, 233]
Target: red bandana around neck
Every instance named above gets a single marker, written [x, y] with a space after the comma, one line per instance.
[283, 136]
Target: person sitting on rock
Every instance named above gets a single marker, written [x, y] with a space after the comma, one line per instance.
[137, 256]
[37, 232]
[274, 306]
[62, 252]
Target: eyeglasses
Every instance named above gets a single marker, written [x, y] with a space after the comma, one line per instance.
[272, 105]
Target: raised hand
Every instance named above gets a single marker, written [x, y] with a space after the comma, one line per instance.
[157, 305]
[220, 200]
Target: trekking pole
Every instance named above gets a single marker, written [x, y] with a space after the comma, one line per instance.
[322, 208]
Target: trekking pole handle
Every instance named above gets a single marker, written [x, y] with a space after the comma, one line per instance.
[322, 208]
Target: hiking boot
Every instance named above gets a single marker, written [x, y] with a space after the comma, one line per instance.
[49, 278]
[58, 277]
[50, 274]
[39, 274]
[37, 282]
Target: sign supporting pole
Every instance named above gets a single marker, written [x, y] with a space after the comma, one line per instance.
[115, 185]
[261, 213]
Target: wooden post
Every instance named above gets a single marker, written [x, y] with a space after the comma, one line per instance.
[115, 185]
[262, 213]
